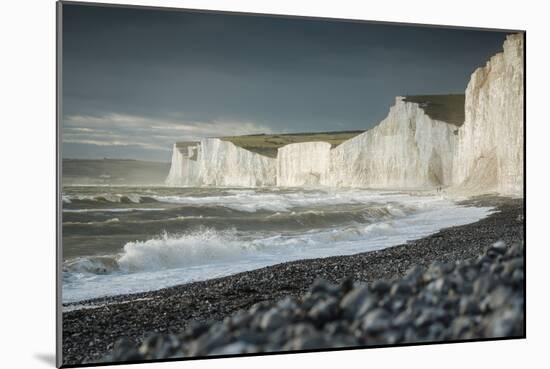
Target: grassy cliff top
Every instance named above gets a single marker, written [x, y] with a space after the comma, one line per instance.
[186, 144]
[447, 108]
[267, 145]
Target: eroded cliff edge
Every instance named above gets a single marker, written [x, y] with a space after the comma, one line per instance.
[489, 155]
[409, 149]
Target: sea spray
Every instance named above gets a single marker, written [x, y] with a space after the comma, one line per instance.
[201, 247]
[197, 233]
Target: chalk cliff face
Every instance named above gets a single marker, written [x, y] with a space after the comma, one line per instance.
[184, 169]
[490, 151]
[303, 164]
[214, 162]
[224, 164]
[175, 173]
[407, 149]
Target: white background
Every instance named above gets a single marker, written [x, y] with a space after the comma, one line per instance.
[27, 144]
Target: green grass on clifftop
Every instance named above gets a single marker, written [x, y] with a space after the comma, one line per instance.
[448, 108]
[267, 145]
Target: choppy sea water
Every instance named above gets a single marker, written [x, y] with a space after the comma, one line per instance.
[119, 240]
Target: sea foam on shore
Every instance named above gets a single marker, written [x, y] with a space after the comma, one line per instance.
[192, 236]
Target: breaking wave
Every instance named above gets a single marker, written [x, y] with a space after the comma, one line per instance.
[252, 201]
[107, 198]
[111, 210]
[204, 234]
[209, 246]
[108, 221]
[173, 251]
[91, 265]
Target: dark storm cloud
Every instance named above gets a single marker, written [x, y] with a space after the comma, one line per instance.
[197, 74]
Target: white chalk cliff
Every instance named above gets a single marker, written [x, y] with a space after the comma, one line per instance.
[224, 164]
[185, 167]
[303, 164]
[490, 144]
[214, 162]
[408, 149]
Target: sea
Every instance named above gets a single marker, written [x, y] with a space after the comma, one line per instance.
[121, 240]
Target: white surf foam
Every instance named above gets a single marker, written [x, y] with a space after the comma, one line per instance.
[104, 197]
[197, 248]
[111, 220]
[111, 210]
[252, 201]
[169, 260]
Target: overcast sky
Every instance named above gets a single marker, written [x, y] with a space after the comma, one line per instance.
[136, 80]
